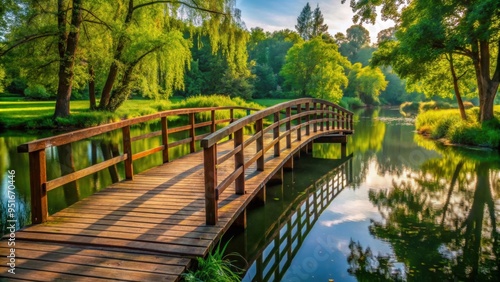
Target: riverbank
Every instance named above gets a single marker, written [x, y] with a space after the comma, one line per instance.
[38, 114]
[447, 125]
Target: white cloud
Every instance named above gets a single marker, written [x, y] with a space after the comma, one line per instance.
[272, 15]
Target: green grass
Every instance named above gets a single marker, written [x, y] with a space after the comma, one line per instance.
[38, 114]
[447, 124]
[215, 267]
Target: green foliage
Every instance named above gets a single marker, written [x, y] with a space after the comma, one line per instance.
[352, 102]
[352, 43]
[442, 42]
[2, 77]
[407, 108]
[366, 83]
[36, 92]
[316, 69]
[433, 105]
[215, 267]
[448, 124]
[310, 23]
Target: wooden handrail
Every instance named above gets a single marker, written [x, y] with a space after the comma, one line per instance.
[322, 115]
[39, 184]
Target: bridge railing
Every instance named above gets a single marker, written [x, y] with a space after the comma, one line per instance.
[40, 185]
[301, 117]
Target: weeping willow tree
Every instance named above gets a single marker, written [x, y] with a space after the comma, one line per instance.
[152, 41]
[117, 46]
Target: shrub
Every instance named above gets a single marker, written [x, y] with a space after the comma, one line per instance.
[36, 92]
[408, 108]
[353, 102]
[215, 267]
[468, 105]
[433, 105]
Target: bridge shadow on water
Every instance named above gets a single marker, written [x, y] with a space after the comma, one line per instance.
[277, 230]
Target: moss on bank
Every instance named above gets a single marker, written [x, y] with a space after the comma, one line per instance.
[447, 124]
[38, 115]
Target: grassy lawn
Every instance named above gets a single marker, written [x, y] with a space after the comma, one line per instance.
[15, 113]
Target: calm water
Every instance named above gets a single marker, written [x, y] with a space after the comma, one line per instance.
[400, 208]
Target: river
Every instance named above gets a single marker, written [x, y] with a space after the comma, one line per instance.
[397, 208]
[408, 210]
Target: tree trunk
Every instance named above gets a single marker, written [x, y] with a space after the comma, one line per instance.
[67, 49]
[487, 86]
[92, 101]
[113, 69]
[457, 89]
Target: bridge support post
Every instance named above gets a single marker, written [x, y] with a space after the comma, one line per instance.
[38, 177]
[260, 197]
[343, 150]
[288, 164]
[259, 126]
[277, 178]
[210, 170]
[241, 221]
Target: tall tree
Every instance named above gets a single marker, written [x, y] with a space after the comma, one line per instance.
[316, 69]
[166, 41]
[428, 30]
[304, 22]
[318, 25]
[310, 23]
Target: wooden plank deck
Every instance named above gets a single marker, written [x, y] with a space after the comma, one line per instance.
[148, 229]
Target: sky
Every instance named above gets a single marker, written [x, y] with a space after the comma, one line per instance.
[272, 15]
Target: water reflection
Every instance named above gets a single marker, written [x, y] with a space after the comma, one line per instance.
[294, 223]
[415, 211]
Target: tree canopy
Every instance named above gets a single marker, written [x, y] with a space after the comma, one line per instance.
[311, 23]
[316, 69]
[429, 30]
[134, 45]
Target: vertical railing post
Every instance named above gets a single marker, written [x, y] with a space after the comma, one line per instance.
[288, 125]
[276, 134]
[239, 162]
[259, 126]
[308, 119]
[231, 120]
[351, 123]
[342, 120]
[299, 122]
[328, 117]
[336, 118]
[213, 125]
[164, 138]
[315, 125]
[210, 170]
[127, 150]
[192, 133]
[38, 177]
[322, 116]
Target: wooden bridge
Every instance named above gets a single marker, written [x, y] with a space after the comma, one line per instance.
[151, 226]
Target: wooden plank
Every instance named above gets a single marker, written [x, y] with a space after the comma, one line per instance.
[153, 266]
[90, 271]
[167, 248]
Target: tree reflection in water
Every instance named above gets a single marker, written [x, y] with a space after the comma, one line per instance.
[440, 221]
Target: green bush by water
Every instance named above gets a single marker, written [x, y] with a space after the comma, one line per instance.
[215, 267]
[447, 124]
